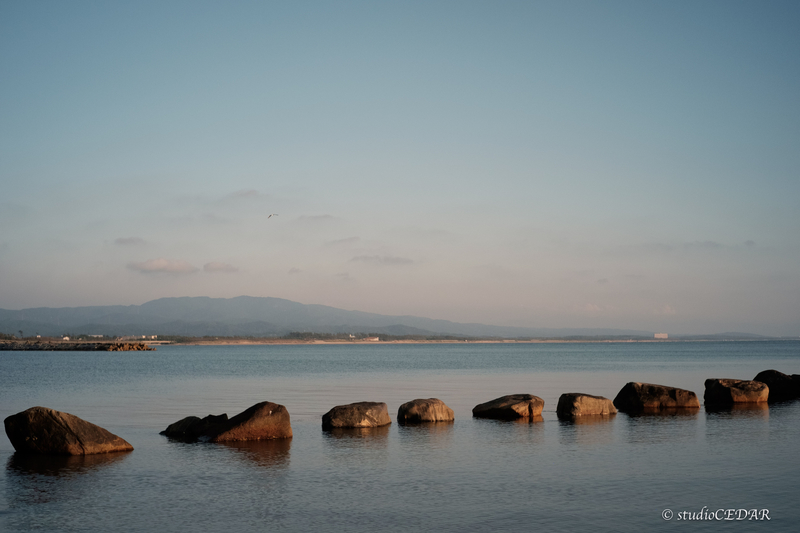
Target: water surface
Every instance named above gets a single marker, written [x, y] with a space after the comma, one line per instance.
[472, 475]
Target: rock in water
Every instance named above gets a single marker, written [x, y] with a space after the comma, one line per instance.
[357, 415]
[193, 428]
[573, 404]
[635, 397]
[430, 410]
[263, 421]
[782, 386]
[46, 431]
[510, 407]
[731, 391]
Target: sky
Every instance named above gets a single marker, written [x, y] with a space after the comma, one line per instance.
[566, 164]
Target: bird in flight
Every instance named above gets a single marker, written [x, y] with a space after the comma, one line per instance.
[273, 215]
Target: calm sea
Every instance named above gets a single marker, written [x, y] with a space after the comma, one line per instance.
[472, 475]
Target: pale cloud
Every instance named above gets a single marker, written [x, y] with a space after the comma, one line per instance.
[382, 260]
[244, 195]
[702, 245]
[317, 218]
[602, 281]
[344, 277]
[655, 248]
[216, 266]
[129, 241]
[163, 266]
[247, 193]
[343, 242]
[294, 270]
[593, 309]
[665, 310]
[211, 218]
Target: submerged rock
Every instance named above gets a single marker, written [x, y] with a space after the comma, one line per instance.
[265, 420]
[635, 397]
[572, 404]
[510, 407]
[731, 391]
[46, 431]
[357, 415]
[782, 386]
[430, 410]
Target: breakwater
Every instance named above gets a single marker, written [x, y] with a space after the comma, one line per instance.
[75, 346]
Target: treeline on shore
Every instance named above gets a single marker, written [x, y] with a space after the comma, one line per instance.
[310, 336]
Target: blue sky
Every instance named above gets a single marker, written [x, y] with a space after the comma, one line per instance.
[554, 164]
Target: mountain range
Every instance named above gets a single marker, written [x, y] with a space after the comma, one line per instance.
[253, 316]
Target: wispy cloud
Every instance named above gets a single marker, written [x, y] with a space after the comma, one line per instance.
[247, 193]
[665, 310]
[343, 242]
[244, 195]
[345, 277]
[294, 270]
[216, 266]
[702, 245]
[211, 218]
[317, 218]
[593, 309]
[129, 241]
[163, 266]
[382, 260]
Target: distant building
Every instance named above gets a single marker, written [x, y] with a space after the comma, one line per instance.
[372, 339]
[65, 338]
[661, 336]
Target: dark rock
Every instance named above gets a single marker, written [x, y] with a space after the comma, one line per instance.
[572, 404]
[731, 391]
[510, 407]
[357, 415]
[265, 420]
[193, 428]
[782, 387]
[430, 410]
[637, 397]
[46, 431]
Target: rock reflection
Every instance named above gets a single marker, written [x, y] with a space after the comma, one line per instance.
[352, 438]
[516, 421]
[272, 453]
[60, 465]
[431, 434]
[38, 479]
[677, 413]
[740, 410]
[518, 432]
[668, 425]
[586, 430]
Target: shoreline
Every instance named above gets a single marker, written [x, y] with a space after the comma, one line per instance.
[55, 345]
[289, 342]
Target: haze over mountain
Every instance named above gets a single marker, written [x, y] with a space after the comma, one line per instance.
[251, 316]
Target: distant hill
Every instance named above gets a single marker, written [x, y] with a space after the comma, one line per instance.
[251, 316]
